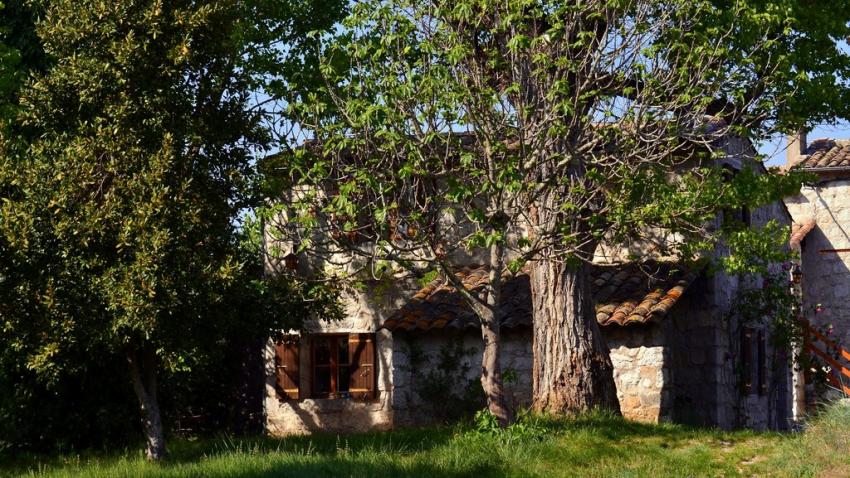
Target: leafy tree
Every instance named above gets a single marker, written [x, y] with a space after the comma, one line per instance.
[21, 52]
[445, 133]
[9, 60]
[120, 215]
[18, 25]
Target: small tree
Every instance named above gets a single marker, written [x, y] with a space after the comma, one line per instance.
[471, 131]
[120, 215]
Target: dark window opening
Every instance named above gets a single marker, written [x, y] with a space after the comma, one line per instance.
[754, 361]
[331, 367]
[735, 216]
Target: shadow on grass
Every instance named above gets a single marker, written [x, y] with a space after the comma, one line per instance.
[600, 444]
[337, 467]
[313, 455]
[399, 441]
[615, 428]
[592, 443]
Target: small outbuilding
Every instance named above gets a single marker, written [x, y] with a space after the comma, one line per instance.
[677, 354]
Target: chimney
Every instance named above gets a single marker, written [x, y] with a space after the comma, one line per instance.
[796, 148]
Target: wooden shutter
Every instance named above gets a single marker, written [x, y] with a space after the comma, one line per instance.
[747, 366]
[286, 367]
[361, 348]
[761, 363]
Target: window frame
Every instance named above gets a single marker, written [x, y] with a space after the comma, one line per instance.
[333, 365]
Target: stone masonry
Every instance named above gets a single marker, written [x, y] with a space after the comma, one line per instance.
[637, 354]
[411, 409]
[826, 275]
[365, 311]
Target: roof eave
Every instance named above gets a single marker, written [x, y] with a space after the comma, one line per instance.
[827, 169]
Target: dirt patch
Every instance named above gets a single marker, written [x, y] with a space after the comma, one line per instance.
[753, 460]
[835, 472]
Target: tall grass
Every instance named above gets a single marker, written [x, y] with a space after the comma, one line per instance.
[822, 449]
[597, 445]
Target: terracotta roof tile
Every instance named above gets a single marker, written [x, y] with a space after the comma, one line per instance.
[636, 293]
[639, 293]
[826, 153]
[799, 231]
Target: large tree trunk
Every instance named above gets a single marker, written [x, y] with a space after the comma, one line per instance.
[142, 366]
[572, 370]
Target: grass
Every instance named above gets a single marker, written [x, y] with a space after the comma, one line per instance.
[591, 446]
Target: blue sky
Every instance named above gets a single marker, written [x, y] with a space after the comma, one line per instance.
[775, 150]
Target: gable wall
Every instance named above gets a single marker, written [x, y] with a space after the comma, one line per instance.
[826, 276]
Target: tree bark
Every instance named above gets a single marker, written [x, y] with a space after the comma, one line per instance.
[142, 367]
[488, 314]
[572, 371]
[491, 371]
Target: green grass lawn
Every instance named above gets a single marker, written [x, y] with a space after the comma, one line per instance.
[593, 446]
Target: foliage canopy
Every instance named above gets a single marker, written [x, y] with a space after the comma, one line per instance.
[120, 207]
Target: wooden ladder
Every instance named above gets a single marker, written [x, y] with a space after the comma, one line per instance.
[830, 353]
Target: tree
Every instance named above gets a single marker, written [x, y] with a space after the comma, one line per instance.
[515, 132]
[9, 61]
[21, 52]
[699, 63]
[120, 214]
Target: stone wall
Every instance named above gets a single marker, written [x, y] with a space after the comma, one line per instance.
[416, 365]
[637, 353]
[329, 416]
[735, 408]
[334, 415]
[642, 371]
[826, 276]
[686, 368]
[700, 369]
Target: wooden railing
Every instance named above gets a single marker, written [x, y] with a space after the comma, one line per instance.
[831, 354]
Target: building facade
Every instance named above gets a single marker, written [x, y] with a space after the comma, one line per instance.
[409, 353]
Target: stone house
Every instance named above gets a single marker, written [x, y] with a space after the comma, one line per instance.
[821, 232]
[408, 353]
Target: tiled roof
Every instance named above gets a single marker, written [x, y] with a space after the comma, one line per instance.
[826, 153]
[439, 306]
[639, 292]
[624, 295]
[799, 231]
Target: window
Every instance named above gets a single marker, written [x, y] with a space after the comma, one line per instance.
[331, 367]
[337, 366]
[735, 216]
[754, 361]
